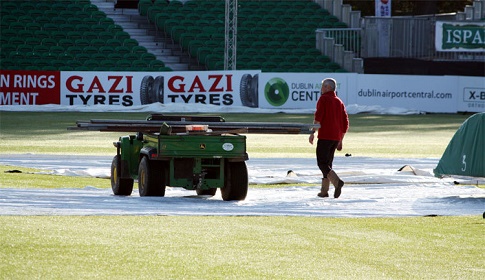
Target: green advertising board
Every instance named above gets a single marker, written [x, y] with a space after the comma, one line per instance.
[460, 36]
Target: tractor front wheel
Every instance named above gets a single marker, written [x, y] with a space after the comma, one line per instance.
[151, 178]
[121, 182]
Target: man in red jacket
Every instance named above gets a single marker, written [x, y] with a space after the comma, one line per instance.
[334, 123]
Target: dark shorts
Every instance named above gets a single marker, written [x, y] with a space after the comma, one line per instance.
[325, 153]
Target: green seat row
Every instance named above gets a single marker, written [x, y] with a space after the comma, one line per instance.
[196, 26]
[40, 34]
[106, 64]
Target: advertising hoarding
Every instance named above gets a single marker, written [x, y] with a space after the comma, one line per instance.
[424, 93]
[383, 8]
[221, 88]
[471, 94]
[242, 89]
[460, 36]
[297, 90]
[29, 87]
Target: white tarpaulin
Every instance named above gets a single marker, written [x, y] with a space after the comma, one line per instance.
[374, 188]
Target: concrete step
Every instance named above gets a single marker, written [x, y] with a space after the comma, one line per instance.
[161, 55]
[135, 32]
[149, 42]
[179, 67]
[159, 51]
[145, 33]
[170, 59]
[128, 18]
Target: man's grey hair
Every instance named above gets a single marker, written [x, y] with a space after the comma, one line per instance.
[331, 82]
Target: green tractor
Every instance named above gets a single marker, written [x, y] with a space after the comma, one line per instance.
[201, 153]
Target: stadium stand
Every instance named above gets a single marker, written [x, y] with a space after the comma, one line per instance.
[189, 35]
[67, 35]
[265, 28]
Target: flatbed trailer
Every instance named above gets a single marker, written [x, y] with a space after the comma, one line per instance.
[201, 153]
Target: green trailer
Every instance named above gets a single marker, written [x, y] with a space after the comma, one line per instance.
[201, 153]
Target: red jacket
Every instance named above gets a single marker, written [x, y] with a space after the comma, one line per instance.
[332, 116]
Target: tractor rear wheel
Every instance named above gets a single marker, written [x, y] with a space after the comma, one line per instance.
[121, 182]
[151, 178]
[235, 181]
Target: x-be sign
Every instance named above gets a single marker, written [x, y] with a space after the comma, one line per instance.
[475, 94]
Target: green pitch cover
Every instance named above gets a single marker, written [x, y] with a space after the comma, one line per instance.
[465, 154]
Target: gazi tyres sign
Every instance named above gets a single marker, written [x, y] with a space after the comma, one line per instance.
[220, 88]
[460, 36]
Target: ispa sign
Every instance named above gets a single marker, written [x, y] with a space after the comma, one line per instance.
[460, 36]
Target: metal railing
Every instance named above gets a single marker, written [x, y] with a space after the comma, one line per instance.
[341, 45]
[399, 37]
[407, 37]
[350, 38]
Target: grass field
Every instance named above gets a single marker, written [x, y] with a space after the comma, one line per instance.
[154, 247]
[416, 136]
[158, 247]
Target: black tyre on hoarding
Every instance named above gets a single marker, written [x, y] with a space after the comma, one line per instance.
[146, 88]
[235, 181]
[254, 90]
[151, 177]
[248, 90]
[121, 182]
[156, 95]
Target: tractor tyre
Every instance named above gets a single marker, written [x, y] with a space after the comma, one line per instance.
[121, 182]
[146, 88]
[235, 181]
[249, 94]
[211, 191]
[151, 178]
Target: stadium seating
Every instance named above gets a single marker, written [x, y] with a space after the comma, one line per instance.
[285, 28]
[66, 35]
[34, 32]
